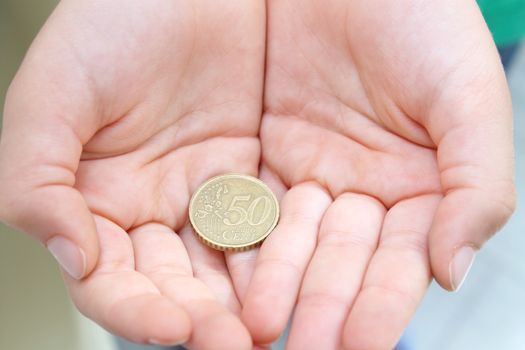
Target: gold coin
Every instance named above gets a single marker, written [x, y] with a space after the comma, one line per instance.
[233, 212]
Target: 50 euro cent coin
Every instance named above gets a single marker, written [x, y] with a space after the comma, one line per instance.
[233, 212]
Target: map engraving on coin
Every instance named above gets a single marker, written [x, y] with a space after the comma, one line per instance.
[233, 212]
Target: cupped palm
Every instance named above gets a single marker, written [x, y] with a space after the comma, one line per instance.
[125, 107]
[386, 129]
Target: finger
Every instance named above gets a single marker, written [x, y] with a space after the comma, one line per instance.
[477, 176]
[209, 266]
[396, 279]
[347, 239]
[470, 121]
[162, 257]
[242, 264]
[124, 301]
[46, 121]
[480, 199]
[281, 262]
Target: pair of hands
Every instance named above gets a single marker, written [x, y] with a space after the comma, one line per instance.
[385, 131]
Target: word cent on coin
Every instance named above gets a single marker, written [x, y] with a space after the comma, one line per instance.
[233, 212]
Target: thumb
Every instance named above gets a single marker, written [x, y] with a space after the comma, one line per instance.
[475, 157]
[40, 148]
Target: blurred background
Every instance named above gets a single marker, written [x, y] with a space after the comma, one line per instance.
[488, 312]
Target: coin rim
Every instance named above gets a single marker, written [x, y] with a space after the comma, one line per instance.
[238, 247]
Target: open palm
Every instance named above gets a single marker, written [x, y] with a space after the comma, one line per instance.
[119, 111]
[386, 129]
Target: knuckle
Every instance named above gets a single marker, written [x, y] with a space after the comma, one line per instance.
[405, 240]
[340, 239]
[323, 299]
[391, 292]
[280, 263]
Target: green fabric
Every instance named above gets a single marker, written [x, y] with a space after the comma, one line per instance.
[506, 19]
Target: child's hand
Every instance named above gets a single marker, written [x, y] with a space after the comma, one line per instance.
[119, 111]
[388, 124]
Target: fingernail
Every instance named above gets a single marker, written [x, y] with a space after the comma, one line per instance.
[164, 343]
[460, 266]
[70, 257]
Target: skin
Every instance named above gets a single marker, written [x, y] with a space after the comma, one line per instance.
[386, 132]
[128, 114]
